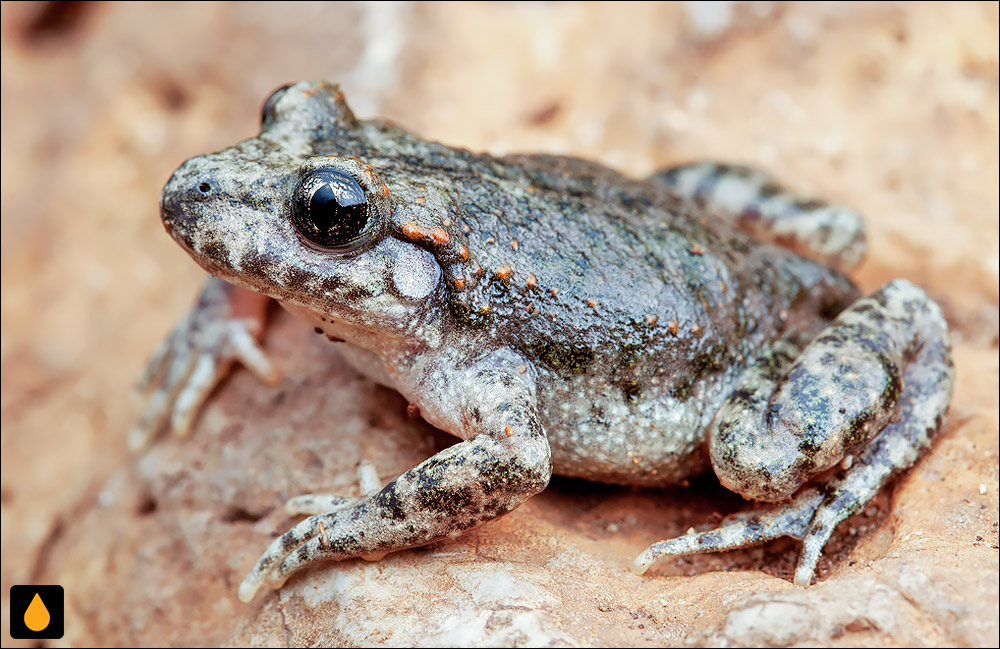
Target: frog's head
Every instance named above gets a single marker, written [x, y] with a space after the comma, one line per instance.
[277, 215]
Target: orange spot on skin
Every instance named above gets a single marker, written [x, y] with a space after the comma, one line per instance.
[504, 272]
[672, 327]
[508, 430]
[635, 460]
[459, 283]
[650, 319]
[592, 303]
[531, 282]
[697, 250]
[479, 271]
[385, 190]
[463, 253]
[514, 245]
[484, 309]
[695, 329]
[413, 231]
[465, 228]
[554, 291]
[521, 369]
[421, 200]
[439, 236]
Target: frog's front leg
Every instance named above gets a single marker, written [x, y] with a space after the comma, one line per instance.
[504, 460]
[222, 327]
[876, 384]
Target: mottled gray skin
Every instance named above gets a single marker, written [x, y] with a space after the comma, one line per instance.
[556, 315]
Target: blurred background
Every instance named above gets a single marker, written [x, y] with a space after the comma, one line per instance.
[891, 108]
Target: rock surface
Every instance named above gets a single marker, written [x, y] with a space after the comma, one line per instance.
[893, 109]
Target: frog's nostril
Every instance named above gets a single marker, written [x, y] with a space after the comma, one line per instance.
[204, 188]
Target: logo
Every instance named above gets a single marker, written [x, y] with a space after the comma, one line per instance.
[36, 612]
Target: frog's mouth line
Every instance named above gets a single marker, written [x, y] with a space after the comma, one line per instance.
[259, 276]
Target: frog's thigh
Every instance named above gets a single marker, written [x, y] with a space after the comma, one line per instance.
[757, 204]
[506, 461]
[888, 354]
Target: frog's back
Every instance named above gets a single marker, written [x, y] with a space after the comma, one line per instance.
[588, 271]
[637, 313]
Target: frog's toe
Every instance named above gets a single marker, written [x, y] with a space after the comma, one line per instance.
[156, 366]
[315, 504]
[280, 548]
[153, 416]
[740, 531]
[190, 363]
[175, 365]
[190, 397]
[245, 348]
[315, 549]
[304, 543]
[192, 368]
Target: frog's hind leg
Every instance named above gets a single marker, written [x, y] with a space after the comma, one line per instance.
[757, 204]
[876, 383]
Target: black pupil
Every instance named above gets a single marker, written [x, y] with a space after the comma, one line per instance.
[330, 209]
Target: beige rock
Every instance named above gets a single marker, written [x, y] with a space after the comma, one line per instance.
[892, 108]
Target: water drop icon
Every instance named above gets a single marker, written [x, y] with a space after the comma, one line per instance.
[36, 617]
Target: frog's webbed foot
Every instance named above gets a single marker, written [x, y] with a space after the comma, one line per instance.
[505, 461]
[874, 387]
[221, 328]
[760, 206]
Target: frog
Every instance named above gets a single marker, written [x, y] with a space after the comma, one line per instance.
[556, 316]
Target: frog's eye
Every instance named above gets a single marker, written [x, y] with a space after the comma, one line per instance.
[330, 209]
[267, 112]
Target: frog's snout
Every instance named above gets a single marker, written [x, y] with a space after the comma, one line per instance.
[184, 199]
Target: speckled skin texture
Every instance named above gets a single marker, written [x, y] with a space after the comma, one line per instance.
[556, 315]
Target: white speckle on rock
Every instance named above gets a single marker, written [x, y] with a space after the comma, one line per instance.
[710, 19]
[771, 623]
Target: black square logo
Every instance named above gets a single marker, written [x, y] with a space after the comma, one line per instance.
[36, 612]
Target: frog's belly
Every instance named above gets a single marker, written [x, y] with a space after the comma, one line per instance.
[598, 434]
